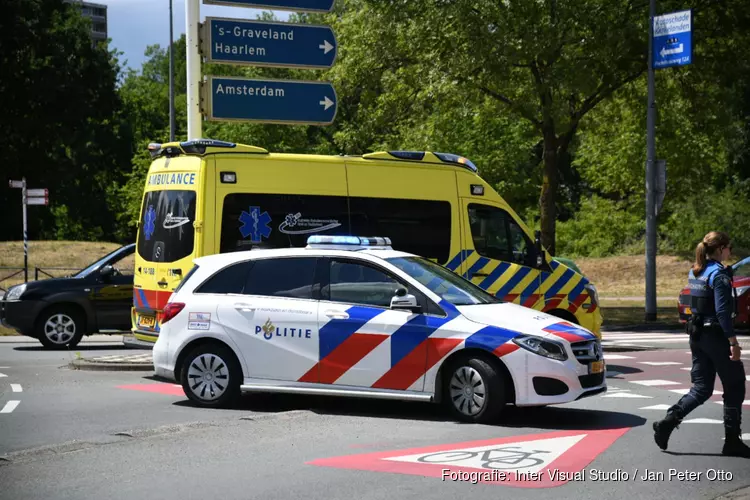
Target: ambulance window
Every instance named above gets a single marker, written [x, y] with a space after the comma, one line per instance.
[421, 227]
[283, 277]
[166, 232]
[489, 231]
[520, 244]
[258, 220]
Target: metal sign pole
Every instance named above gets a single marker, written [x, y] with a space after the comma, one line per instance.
[651, 177]
[25, 233]
[171, 76]
[192, 18]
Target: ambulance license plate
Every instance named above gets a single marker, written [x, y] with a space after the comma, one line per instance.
[596, 367]
[146, 321]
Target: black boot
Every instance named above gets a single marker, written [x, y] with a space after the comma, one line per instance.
[733, 445]
[663, 428]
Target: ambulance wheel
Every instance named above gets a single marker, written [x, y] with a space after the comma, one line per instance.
[474, 391]
[211, 376]
[60, 327]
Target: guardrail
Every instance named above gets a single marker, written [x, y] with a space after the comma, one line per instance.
[37, 272]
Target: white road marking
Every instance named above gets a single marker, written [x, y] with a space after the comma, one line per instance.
[2, 375]
[656, 407]
[744, 403]
[611, 374]
[747, 377]
[10, 406]
[626, 395]
[650, 383]
[16, 388]
[660, 363]
[617, 356]
[687, 369]
[703, 421]
[744, 437]
[499, 455]
[679, 391]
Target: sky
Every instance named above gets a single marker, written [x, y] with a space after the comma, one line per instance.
[133, 25]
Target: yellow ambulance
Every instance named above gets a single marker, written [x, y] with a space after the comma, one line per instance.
[205, 196]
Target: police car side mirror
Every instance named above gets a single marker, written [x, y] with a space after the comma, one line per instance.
[405, 302]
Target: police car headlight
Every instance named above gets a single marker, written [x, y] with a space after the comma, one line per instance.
[742, 289]
[15, 292]
[542, 347]
[594, 294]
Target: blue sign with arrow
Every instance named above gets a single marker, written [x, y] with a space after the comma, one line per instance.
[271, 101]
[672, 43]
[294, 5]
[258, 43]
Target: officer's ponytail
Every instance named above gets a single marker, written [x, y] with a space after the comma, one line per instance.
[711, 242]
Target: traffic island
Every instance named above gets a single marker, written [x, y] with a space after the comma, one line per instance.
[125, 362]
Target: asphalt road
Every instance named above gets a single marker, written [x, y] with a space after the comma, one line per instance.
[85, 434]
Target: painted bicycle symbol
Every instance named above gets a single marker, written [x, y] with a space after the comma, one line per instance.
[511, 457]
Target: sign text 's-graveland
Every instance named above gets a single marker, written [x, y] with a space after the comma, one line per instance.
[257, 43]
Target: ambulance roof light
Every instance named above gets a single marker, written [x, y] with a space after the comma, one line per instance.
[451, 158]
[348, 242]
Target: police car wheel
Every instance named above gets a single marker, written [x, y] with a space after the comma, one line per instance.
[211, 376]
[474, 391]
[60, 328]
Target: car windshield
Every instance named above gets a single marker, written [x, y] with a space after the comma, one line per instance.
[443, 282]
[96, 265]
[742, 268]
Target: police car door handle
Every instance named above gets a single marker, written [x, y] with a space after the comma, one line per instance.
[337, 314]
[244, 307]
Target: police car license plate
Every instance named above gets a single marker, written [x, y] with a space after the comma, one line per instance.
[146, 321]
[596, 367]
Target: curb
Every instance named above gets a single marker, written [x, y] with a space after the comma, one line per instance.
[84, 364]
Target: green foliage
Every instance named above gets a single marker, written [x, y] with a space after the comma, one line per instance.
[601, 227]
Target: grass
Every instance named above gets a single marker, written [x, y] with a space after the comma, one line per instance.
[620, 280]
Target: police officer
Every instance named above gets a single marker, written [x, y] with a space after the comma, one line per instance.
[714, 347]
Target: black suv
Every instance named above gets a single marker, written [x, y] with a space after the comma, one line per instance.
[60, 311]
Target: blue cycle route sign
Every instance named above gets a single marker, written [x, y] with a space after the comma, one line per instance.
[294, 5]
[672, 43]
[257, 43]
[271, 101]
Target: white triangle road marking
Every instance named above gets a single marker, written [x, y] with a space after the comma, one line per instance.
[660, 363]
[529, 456]
[650, 383]
[680, 391]
[702, 421]
[656, 407]
[2, 375]
[617, 356]
[626, 395]
[744, 403]
[744, 437]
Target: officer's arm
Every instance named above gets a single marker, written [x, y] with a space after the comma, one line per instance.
[724, 303]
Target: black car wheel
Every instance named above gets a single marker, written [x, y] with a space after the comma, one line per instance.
[60, 328]
[474, 391]
[211, 376]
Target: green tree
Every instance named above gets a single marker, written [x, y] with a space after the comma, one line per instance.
[61, 123]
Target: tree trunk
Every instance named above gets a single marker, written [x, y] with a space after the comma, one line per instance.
[548, 196]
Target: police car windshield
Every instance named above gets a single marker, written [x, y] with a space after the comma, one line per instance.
[443, 282]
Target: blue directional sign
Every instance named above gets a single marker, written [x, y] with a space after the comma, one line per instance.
[271, 101]
[672, 42]
[294, 5]
[257, 43]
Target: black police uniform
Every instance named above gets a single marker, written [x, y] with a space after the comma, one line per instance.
[710, 327]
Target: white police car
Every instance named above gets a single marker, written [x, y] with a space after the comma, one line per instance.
[350, 316]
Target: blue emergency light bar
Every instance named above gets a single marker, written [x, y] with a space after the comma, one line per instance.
[348, 242]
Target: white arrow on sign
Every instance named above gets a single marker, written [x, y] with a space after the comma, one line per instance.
[666, 52]
[327, 47]
[37, 201]
[326, 102]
